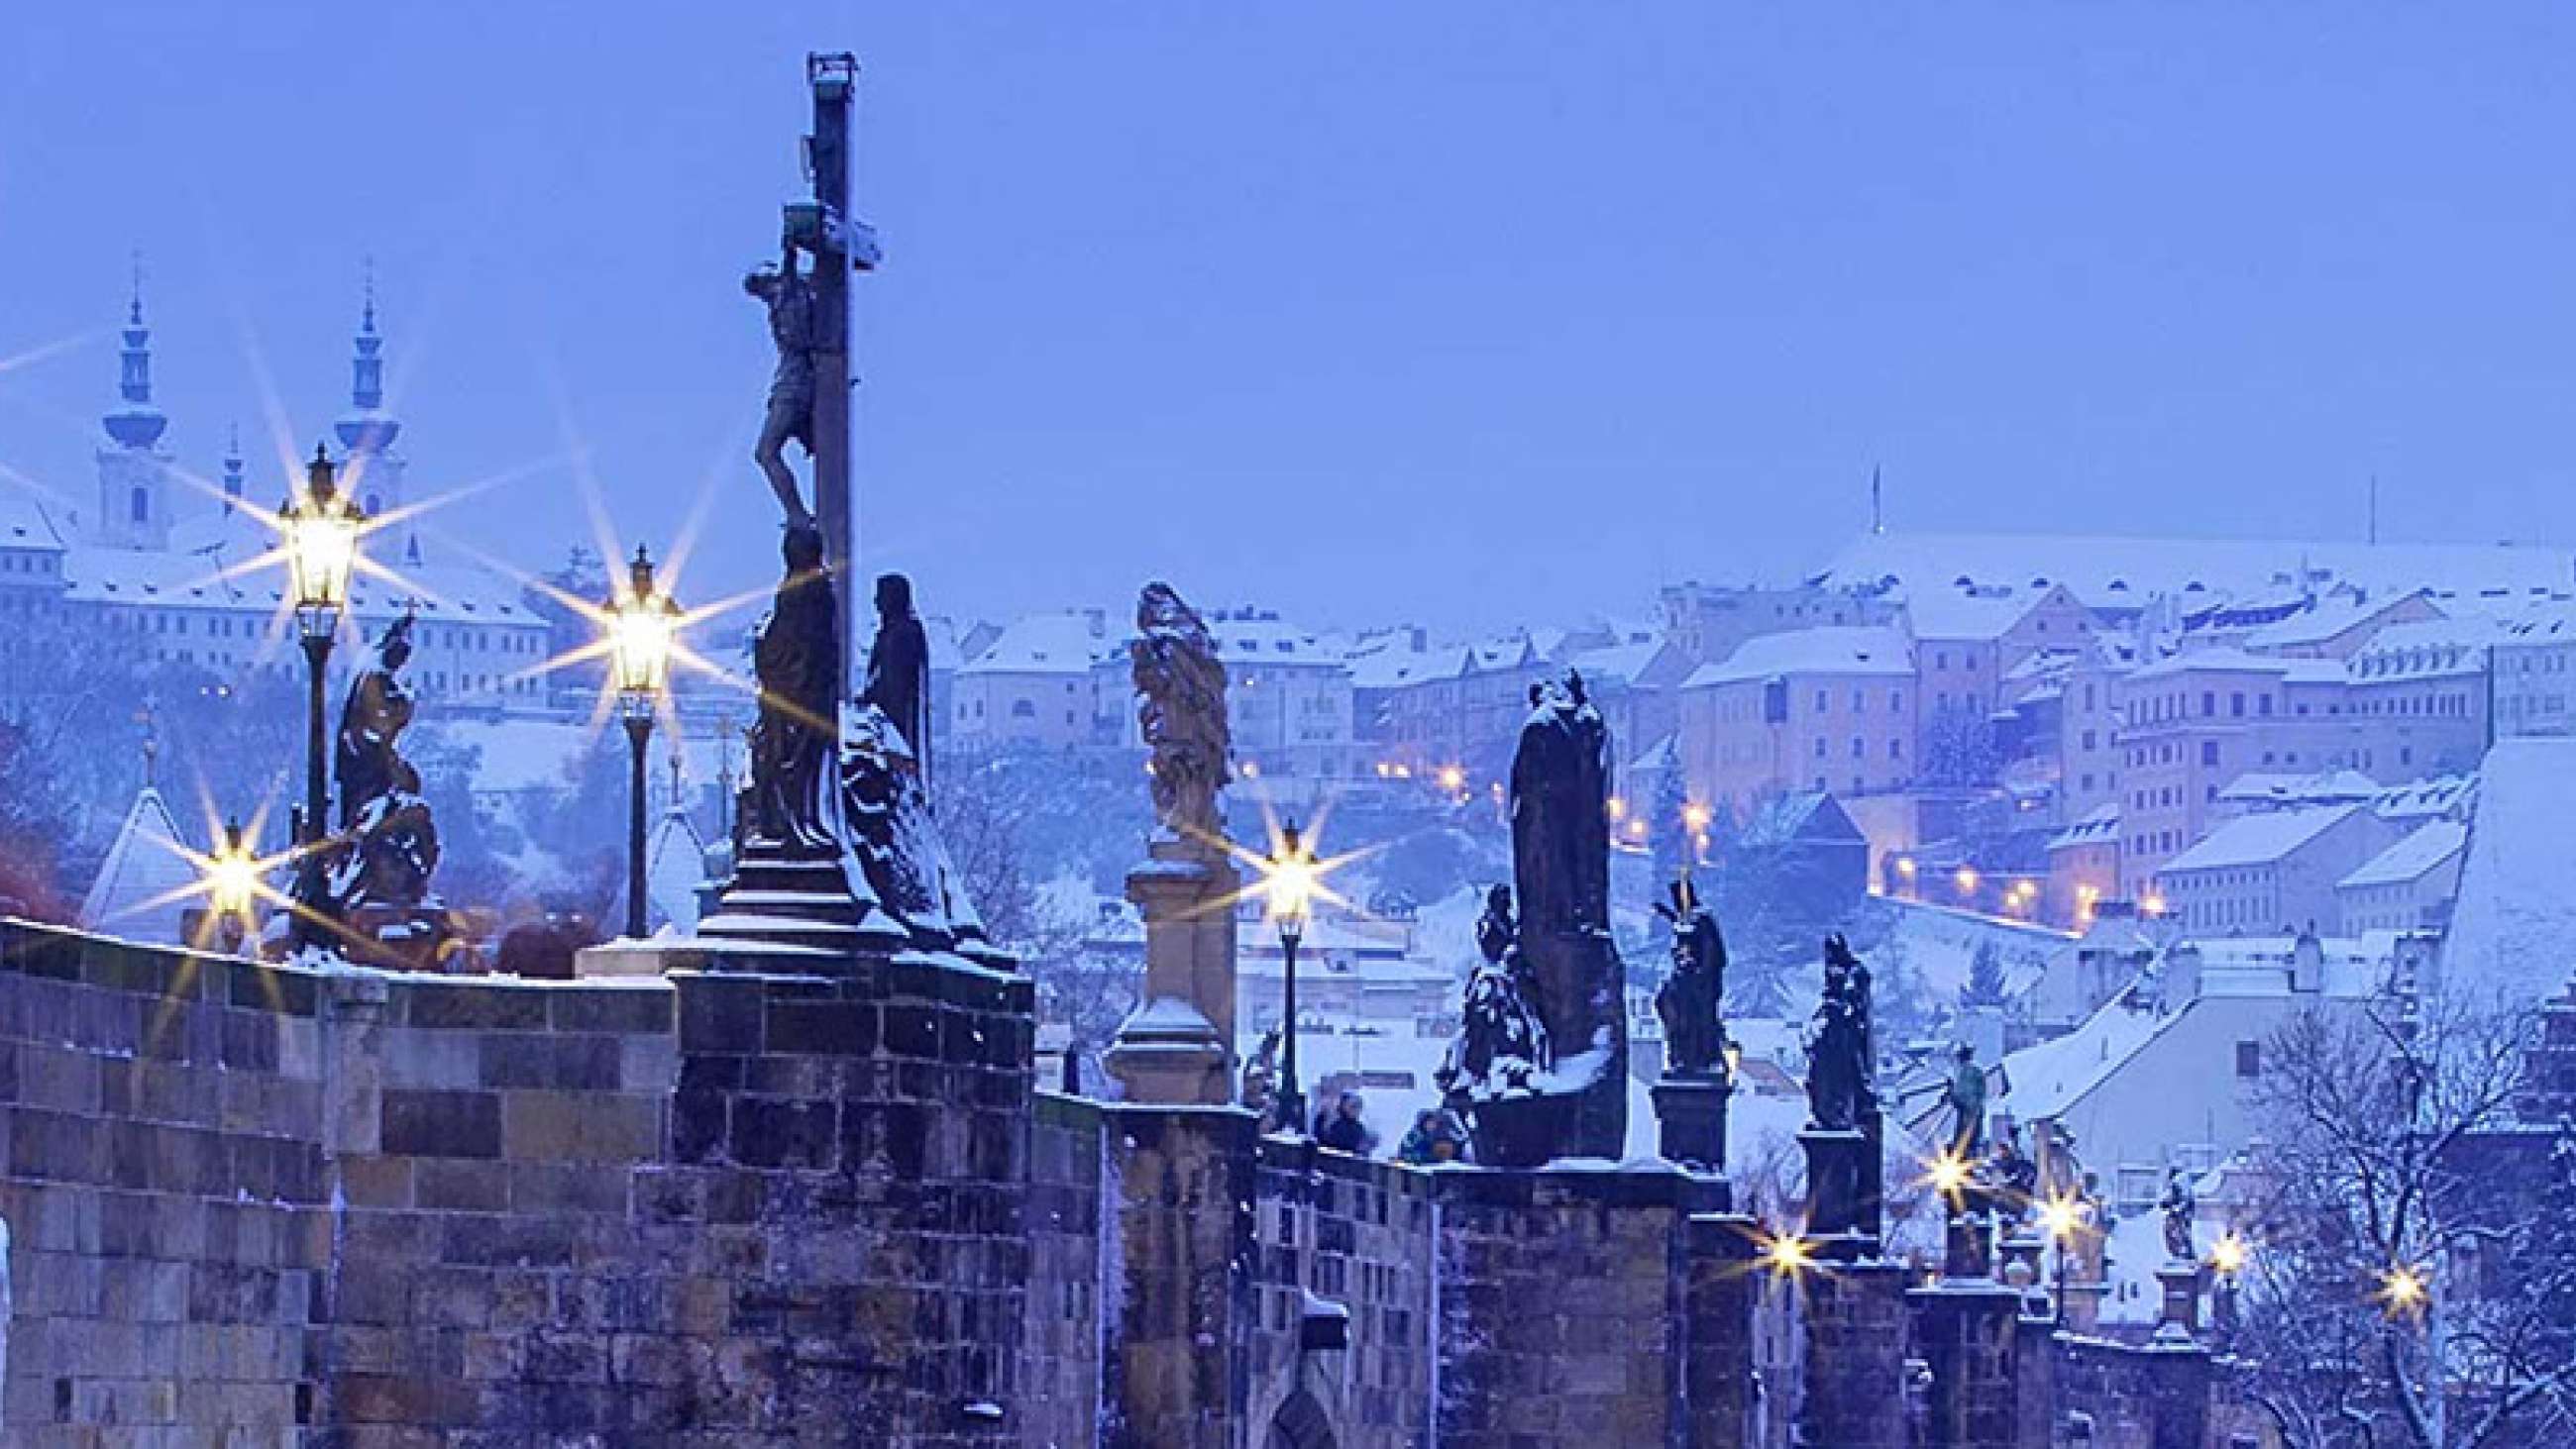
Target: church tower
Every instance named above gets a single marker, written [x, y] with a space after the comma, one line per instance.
[372, 469]
[134, 473]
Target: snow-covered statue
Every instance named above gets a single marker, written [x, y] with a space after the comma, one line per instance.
[894, 845]
[1502, 1047]
[797, 661]
[387, 844]
[1180, 689]
[1560, 812]
[1692, 999]
[1841, 1087]
[2179, 1208]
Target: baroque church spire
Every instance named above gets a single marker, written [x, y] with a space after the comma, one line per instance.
[367, 427]
[135, 422]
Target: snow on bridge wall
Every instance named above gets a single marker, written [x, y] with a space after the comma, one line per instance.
[259, 1204]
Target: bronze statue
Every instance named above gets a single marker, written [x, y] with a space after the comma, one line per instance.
[377, 709]
[1180, 688]
[1840, 1073]
[789, 296]
[1501, 1049]
[1693, 997]
[1966, 1098]
[898, 679]
[2178, 1208]
[797, 660]
[387, 847]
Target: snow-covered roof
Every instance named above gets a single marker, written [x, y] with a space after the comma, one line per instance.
[2325, 617]
[24, 524]
[144, 883]
[1253, 636]
[1839, 650]
[1979, 612]
[2426, 649]
[2260, 839]
[1616, 664]
[2100, 824]
[2516, 917]
[2111, 571]
[1054, 643]
[2426, 799]
[2325, 787]
[2047, 1079]
[2427, 849]
[675, 865]
[2226, 659]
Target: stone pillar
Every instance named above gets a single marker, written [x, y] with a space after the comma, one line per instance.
[2179, 1319]
[1721, 1295]
[1838, 1176]
[1177, 1047]
[1690, 1113]
[1965, 1329]
[1176, 1360]
[1854, 1391]
[2080, 1301]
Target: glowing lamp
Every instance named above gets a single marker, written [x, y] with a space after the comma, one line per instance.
[1788, 1254]
[1291, 888]
[2403, 1289]
[2062, 1217]
[1949, 1174]
[2229, 1253]
[321, 530]
[232, 876]
[641, 624]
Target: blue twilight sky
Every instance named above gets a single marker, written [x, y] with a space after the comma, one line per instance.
[1462, 312]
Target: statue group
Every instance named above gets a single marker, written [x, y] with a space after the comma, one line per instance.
[1540, 1067]
[369, 896]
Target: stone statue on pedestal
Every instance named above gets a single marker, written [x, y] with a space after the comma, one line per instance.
[1177, 1045]
[1501, 1047]
[2178, 1208]
[898, 679]
[376, 869]
[1569, 974]
[1840, 1074]
[797, 661]
[788, 295]
[1180, 692]
[1692, 999]
[1965, 1095]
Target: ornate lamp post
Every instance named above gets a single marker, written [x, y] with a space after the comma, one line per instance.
[321, 532]
[1292, 893]
[641, 622]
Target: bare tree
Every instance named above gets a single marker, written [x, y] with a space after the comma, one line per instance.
[2372, 1312]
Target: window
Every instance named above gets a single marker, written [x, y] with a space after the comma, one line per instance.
[2208, 703]
[1823, 702]
[2209, 752]
[1857, 747]
[140, 505]
[1024, 709]
[2249, 1059]
[2236, 705]
[1820, 749]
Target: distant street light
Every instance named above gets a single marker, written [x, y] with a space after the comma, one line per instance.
[1291, 892]
[321, 531]
[2063, 1217]
[232, 884]
[642, 620]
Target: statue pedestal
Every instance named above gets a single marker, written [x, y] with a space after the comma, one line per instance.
[1691, 1115]
[1177, 1046]
[2179, 1319]
[2080, 1301]
[1967, 1242]
[1838, 1177]
[1527, 1131]
[1582, 996]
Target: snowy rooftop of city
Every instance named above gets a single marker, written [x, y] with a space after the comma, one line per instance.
[2259, 839]
[1834, 649]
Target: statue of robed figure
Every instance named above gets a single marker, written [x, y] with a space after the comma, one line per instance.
[1841, 1081]
[1691, 1001]
[1501, 1048]
[1560, 822]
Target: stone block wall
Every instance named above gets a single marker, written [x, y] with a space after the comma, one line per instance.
[164, 1191]
[1062, 1380]
[1349, 1238]
[2130, 1396]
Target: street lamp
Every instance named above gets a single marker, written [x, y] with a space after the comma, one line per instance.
[321, 531]
[2228, 1256]
[641, 622]
[2063, 1216]
[1291, 892]
[232, 883]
